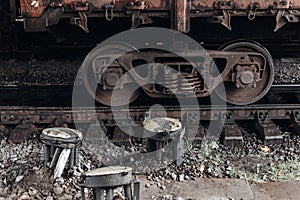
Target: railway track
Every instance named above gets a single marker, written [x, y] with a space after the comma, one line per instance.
[265, 120]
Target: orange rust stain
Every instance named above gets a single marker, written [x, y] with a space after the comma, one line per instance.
[29, 10]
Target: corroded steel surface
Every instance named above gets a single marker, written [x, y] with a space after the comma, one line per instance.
[123, 4]
[33, 8]
[182, 15]
[196, 4]
[49, 12]
[243, 4]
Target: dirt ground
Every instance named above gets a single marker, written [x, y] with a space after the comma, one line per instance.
[221, 189]
[23, 175]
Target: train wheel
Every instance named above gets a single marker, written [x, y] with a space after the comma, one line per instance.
[102, 81]
[248, 95]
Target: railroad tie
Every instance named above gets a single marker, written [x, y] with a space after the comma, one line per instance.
[267, 130]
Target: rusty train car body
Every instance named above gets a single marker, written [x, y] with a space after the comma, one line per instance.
[248, 75]
[38, 15]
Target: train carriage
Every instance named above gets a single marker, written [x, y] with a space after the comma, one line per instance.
[245, 34]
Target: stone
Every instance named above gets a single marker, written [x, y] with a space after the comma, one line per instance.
[156, 179]
[3, 143]
[24, 197]
[19, 178]
[19, 191]
[65, 197]
[58, 190]
[5, 181]
[181, 177]
[162, 187]
[77, 196]
[60, 180]
[33, 192]
[49, 198]
[174, 176]
[68, 190]
[178, 198]
[4, 192]
[12, 196]
[167, 197]
[38, 197]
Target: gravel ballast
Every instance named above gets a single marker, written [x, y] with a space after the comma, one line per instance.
[24, 176]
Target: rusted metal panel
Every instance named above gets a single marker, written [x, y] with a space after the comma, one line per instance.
[33, 8]
[124, 4]
[159, 4]
[243, 4]
[196, 4]
[37, 15]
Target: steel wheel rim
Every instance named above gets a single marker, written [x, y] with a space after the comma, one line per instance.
[99, 94]
[237, 96]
